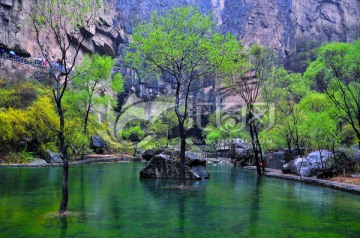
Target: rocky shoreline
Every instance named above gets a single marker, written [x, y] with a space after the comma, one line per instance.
[89, 159]
[276, 173]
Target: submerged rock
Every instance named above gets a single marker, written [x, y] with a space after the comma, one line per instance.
[164, 166]
[311, 165]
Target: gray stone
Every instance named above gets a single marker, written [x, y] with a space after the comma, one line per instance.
[98, 144]
[53, 157]
[241, 153]
[194, 159]
[346, 160]
[148, 154]
[277, 159]
[311, 165]
[38, 162]
[163, 166]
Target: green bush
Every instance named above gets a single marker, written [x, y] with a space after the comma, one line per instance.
[21, 157]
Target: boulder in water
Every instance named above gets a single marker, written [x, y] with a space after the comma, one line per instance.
[163, 166]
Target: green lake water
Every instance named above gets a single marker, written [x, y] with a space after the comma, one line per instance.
[109, 200]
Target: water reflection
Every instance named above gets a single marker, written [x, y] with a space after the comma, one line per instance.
[168, 192]
[109, 200]
[255, 204]
[63, 226]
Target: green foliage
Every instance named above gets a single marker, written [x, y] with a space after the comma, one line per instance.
[35, 122]
[77, 141]
[16, 91]
[318, 124]
[163, 125]
[180, 36]
[92, 86]
[134, 131]
[283, 91]
[19, 158]
[221, 126]
[182, 44]
[337, 72]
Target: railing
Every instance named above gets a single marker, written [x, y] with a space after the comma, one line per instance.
[37, 62]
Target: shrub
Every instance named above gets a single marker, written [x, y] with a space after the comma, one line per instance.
[19, 158]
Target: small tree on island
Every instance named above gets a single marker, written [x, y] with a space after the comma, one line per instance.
[181, 44]
[62, 26]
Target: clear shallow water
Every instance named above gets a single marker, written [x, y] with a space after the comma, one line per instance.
[109, 200]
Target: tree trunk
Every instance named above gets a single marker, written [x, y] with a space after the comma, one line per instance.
[257, 161]
[182, 180]
[168, 138]
[288, 142]
[65, 159]
[135, 149]
[65, 193]
[261, 159]
[86, 119]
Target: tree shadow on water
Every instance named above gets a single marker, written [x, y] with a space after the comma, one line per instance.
[63, 226]
[181, 198]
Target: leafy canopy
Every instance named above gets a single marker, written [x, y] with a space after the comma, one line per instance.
[182, 44]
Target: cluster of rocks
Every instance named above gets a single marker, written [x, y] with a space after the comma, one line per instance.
[166, 165]
[314, 164]
[322, 164]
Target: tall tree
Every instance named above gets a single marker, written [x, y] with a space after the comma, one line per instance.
[337, 72]
[181, 44]
[246, 80]
[62, 25]
[91, 85]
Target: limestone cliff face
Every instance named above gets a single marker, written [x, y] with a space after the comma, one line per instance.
[16, 32]
[279, 24]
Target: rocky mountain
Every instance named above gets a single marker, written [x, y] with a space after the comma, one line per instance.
[287, 26]
[17, 34]
[283, 25]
